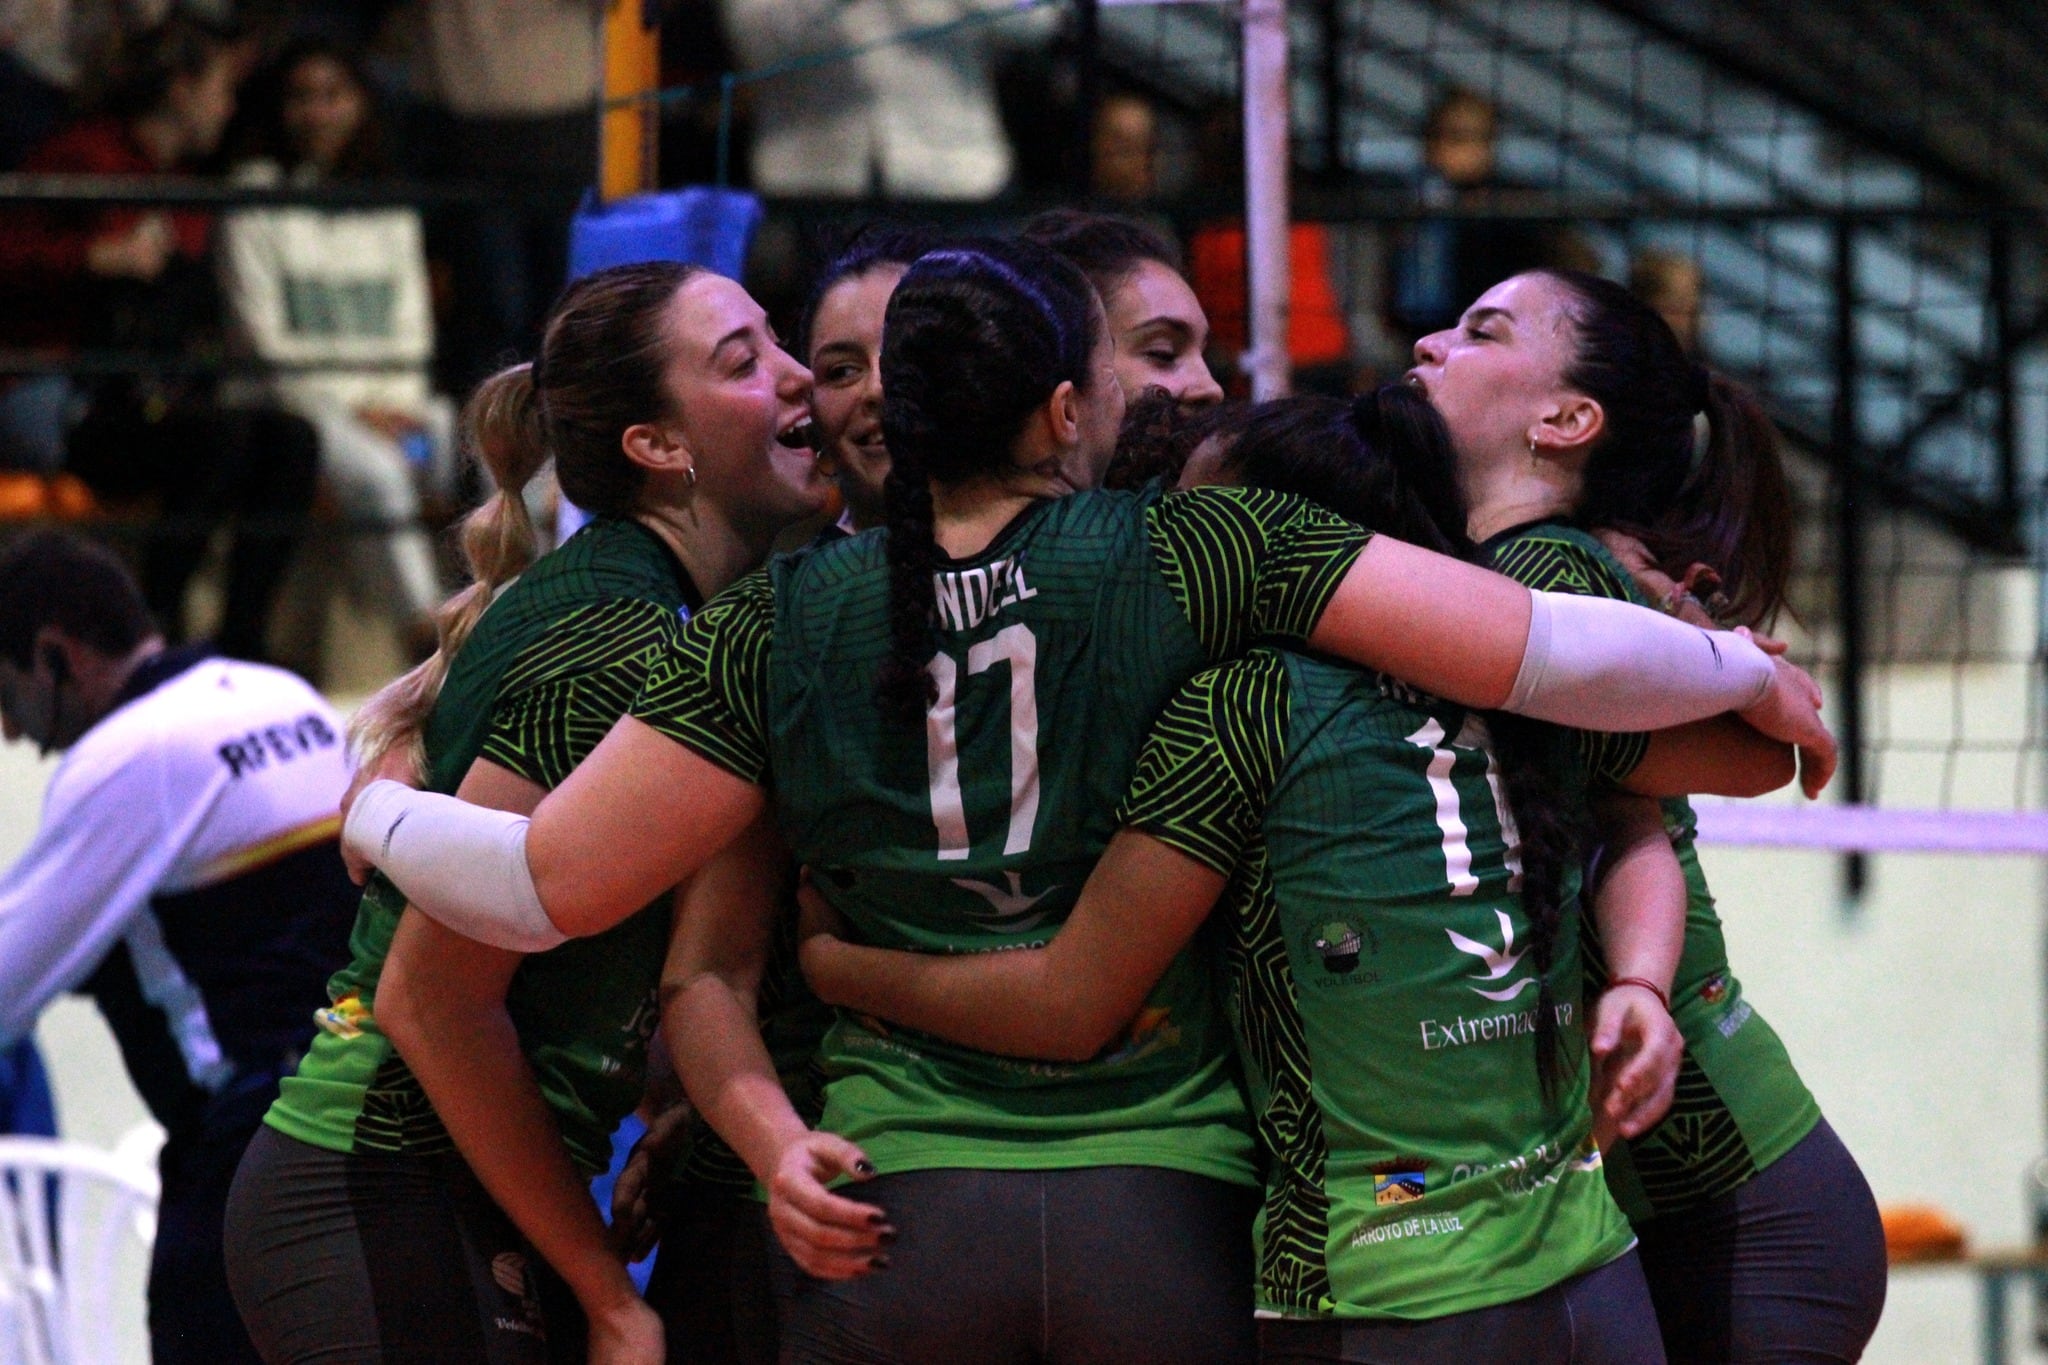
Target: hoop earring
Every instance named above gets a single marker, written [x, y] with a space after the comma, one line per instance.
[690, 476]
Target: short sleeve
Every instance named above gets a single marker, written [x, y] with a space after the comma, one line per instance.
[1249, 564]
[1209, 766]
[564, 691]
[709, 693]
[1553, 564]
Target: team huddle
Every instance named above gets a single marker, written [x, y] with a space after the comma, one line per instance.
[1161, 880]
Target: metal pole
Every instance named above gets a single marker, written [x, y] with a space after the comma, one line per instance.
[1849, 603]
[1268, 282]
[1088, 92]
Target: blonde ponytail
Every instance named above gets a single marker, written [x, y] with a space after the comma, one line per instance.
[502, 428]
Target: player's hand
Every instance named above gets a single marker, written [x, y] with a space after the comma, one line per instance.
[634, 1227]
[829, 1236]
[395, 764]
[628, 1333]
[1789, 712]
[1636, 1050]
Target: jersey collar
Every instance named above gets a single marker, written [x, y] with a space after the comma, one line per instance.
[160, 668]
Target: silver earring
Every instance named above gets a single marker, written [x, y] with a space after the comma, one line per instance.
[690, 475]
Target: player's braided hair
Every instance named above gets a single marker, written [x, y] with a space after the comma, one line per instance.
[1724, 504]
[600, 371]
[978, 336]
[1383, 462]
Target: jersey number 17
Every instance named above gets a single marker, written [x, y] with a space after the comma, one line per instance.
[1016, 646]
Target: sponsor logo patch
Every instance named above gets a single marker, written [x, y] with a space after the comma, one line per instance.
[1397, 1183]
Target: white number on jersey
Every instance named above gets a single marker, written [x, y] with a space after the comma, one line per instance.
[1472, 737]
[1016, 646]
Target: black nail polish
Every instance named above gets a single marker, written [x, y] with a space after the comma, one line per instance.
[863, 1167]
[877, 1218]
[879, 1262]
[887, 1237]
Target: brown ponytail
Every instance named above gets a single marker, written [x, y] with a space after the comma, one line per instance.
[502, 430]
[1735, 512]
[1728, 507]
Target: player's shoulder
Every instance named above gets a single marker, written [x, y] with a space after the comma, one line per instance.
[1556, 556]
[196, 719]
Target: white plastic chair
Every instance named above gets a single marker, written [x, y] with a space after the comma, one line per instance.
[70, 1215]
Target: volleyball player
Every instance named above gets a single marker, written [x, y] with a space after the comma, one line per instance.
[731, 969]
[1156, 323]
[1432, 1187]
[841, 340]
[1571, 405]
[355, 1226]
[998, 402]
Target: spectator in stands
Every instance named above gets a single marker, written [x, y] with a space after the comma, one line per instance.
[347, 289]
[184, 876]
[139, 280]
[1318, 337]
[910, 120]
[1673, 285]
[1123, 149]
[1441, 263]
[516, 81]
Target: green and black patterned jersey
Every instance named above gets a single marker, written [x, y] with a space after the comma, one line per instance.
[1052, 650]
[1380, 994]
[556, 659]
[1740, 1103]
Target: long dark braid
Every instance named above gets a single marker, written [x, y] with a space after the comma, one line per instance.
[1554, 840]
[977, 337]
[1383, 462]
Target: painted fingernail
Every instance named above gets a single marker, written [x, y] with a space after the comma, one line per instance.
[877, 1218]
[863, 1167]
[887, 1237]
[878, 1262]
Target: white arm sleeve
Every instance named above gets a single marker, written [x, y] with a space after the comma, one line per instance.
[1597, 664]
[463, 865]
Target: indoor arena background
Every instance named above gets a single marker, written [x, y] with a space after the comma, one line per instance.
[1858, 190]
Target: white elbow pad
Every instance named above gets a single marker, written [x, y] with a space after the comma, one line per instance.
[1597, 664]
[463, 865]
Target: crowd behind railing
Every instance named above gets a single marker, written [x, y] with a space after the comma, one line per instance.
[281, 372]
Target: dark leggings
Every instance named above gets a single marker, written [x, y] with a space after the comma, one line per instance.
[711, 1281]
[1602, 1317]
[1122, 1265]
[1789, 1266]
[386, 1260]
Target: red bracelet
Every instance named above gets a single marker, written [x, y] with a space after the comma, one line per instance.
[1663, 996]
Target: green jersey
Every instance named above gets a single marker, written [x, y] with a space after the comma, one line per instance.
[552, 664]
[1740, 1103]
[1381, 1003]
[1052, 650]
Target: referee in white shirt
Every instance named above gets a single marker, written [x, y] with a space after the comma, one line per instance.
[185, 876]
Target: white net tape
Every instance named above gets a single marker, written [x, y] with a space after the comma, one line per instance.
[1873, 829]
